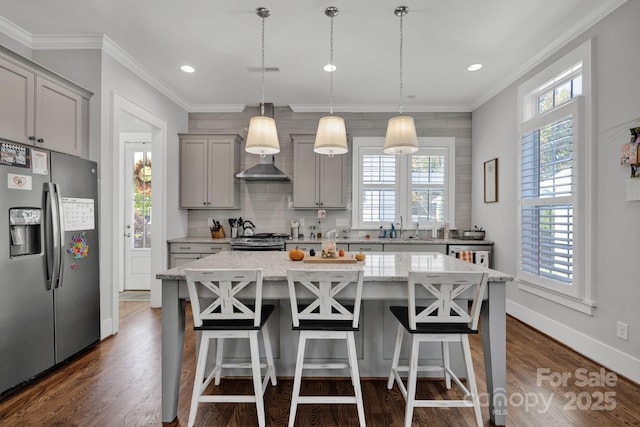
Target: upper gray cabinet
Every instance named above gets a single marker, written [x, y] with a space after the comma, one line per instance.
[208, 165]
[41, 109]
[318, 180]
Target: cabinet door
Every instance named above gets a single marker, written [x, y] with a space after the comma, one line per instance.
[16, 103]
[305, 172]
[58, 117]
[331, 181]
[221, 172]
[193, 173]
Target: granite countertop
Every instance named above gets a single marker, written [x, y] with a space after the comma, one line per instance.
[206, 239]
[378, 266]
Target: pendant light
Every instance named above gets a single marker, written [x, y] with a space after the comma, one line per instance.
[331, 136]
[262, 137]
[401, 135]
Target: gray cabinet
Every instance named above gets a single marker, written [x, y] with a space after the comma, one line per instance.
[39, 109]
[208, 165]
[182, 253]
[318, 180]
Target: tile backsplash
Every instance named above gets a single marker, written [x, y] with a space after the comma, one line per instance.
[269, 204]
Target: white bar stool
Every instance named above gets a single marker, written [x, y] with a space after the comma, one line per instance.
[325, 318]
[444, 321]
[218, 314]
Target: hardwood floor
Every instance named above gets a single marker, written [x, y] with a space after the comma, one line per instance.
[117, 383]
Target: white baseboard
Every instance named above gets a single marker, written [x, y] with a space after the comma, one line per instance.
[106, 328]
[609, 357]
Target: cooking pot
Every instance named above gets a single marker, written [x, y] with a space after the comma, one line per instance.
[472, 234]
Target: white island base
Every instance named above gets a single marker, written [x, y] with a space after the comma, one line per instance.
[385, 284]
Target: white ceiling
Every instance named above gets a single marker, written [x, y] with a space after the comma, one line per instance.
[222, 41]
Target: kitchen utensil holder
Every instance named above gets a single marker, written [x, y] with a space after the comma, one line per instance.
[217, 234]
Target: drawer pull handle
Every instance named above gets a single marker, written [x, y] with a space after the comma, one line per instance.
[185, 247]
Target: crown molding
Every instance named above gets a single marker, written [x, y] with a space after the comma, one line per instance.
[115, 51]
[15, 32]
[379, 108]
[605, 9]
[216, 108]
[66, 41]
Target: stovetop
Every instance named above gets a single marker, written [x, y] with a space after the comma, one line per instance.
[262, 236]
[260, 241]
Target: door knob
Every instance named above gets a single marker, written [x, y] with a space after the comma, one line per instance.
[127, 234]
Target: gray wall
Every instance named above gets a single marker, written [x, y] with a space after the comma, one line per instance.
[267, 204]
[104, 76]
[616, 102]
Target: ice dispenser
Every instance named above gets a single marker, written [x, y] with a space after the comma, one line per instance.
[24, 231]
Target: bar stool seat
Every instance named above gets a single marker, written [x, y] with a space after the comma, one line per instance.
[219, 315]
[325, 318]
[445, 320]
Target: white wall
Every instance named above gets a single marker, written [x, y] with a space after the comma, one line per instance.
[616, 85]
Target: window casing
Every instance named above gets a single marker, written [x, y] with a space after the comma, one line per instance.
[419, 187]
[554, 174]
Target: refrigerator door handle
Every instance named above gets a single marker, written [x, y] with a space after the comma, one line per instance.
[52, 236]
[60, 234]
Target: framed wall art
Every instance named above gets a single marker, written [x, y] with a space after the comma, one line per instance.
[491, 181]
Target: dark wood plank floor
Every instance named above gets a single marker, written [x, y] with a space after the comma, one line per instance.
[117, 383]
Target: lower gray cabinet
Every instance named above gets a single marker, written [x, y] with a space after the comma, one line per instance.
[182, 253]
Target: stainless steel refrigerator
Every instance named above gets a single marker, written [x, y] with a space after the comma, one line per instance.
[49, 270]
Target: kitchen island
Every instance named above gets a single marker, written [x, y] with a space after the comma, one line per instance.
[385, 276]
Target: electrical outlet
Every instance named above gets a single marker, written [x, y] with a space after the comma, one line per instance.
[342, 222]
[623, 331]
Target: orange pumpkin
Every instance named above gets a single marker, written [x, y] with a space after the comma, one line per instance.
[296, 254]
[360, 256]
[341, 252]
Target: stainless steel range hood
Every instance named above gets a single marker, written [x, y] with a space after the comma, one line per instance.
[265, 170]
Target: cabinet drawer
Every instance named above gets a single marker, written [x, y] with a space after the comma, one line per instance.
[417, 247]
[305, 246]
[365, 247]
[204, 248]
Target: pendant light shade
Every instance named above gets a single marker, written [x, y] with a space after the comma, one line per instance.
[331, 135]
[401, 135]
[262, 137]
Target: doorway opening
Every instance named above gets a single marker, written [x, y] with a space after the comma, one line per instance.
[133, 127]
[137, 211]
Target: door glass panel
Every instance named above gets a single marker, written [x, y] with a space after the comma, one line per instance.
[141, 199]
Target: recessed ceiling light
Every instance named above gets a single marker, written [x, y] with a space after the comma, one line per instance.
[329, 68]
[187, 69]
[474, 67]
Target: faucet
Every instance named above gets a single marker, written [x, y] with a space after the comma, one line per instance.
[417, 230]
[401, 228]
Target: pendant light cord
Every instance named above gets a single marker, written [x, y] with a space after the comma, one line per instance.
[331, 73]
[401, 83]
[262, 70]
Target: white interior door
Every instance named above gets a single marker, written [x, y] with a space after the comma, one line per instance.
[138, 217]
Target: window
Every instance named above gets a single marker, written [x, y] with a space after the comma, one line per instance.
[554, 182]
[418, 187]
